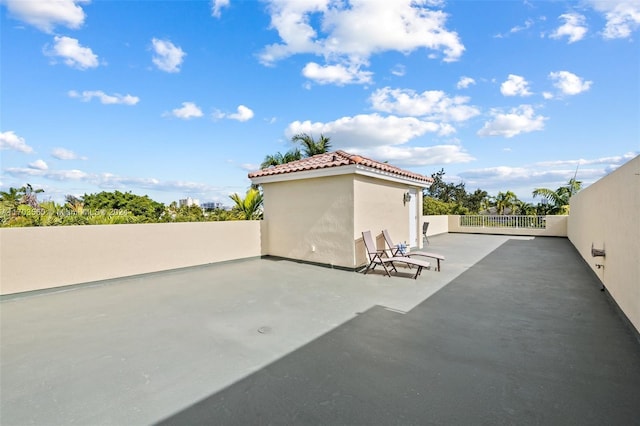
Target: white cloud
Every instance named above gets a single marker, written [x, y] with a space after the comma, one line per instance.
[72, 53]
[65, 154]
[623, 17]
[608, 161]
[465, 82]
[350, 32]
[545, 174]
[404, 156]
[527, 24]
[10, 141]
[519, 120]
[547, 95]
[167, 56]
[336, 74]
[47, 14]
[432, 104]
[573, 27]
[569, 83]
[243, 114]
[39, 165]
[217, 6]
[59, 175]
[385, 138]
[189, 110]
[369, 131]
[116, 98]
[515, 85]
[111, 181]
[398, 70]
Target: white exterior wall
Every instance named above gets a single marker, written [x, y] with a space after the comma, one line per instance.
[310, 220]
[379, 205]
[46, 257]
[607, 215]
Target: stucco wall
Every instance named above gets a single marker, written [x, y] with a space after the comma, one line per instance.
[311, 220]
[438, 224]
[378, 205]
[607, 215]
[46, 257]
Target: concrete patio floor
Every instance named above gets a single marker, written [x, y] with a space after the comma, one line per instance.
[514, 330]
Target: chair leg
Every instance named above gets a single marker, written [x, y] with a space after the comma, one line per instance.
[418, 272]
[387, 270]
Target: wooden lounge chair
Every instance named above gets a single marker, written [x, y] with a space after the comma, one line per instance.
[379, 257]
[395, 250]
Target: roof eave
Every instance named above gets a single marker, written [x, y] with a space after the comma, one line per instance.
[357, 169]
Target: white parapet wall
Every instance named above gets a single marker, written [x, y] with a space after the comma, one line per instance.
[438, 224]
[47, 257]
[606, 216]
[554, 226]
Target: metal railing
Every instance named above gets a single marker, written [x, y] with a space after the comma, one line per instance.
[503, 221]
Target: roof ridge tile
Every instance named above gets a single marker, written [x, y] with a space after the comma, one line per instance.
[336, 158]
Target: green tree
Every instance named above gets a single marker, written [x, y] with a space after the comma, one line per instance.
[310, 146]
[20, 206]
[504, 201]
[249, 207]
[30, 196]
[457, 194]
[13, 196]
[524, 208]
[279, 158]
[220, 215]
[476, 201]
[10, 200]
[189, 214]
[432, 206]
[142, 207]
[557, 202]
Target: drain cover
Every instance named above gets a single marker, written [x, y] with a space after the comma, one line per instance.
[264, 329]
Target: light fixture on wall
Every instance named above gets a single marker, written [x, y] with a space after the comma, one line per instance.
[406, 197]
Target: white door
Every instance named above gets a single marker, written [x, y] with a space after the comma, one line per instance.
[413, 218]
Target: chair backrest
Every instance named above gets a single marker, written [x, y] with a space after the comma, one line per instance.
[369, 244]
[425, 226]
[387, 238]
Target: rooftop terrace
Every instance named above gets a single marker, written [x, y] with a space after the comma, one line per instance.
[514, 330]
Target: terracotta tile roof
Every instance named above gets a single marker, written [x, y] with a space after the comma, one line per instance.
[336, 159]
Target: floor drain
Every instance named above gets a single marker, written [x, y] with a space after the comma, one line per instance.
[264, 330]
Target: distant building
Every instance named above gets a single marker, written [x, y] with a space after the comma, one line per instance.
[188, 202]
[212, 205]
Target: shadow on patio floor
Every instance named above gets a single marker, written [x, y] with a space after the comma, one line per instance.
[523, 337]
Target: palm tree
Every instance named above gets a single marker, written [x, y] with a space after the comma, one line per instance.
[12, 198]
[75, 204]
[279, 158]
[249, 207]
[559, 199]
[505, 200]
[524, 208]
[30, 196]
[311, 147]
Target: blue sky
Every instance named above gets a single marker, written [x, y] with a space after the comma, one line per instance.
[184, 98]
